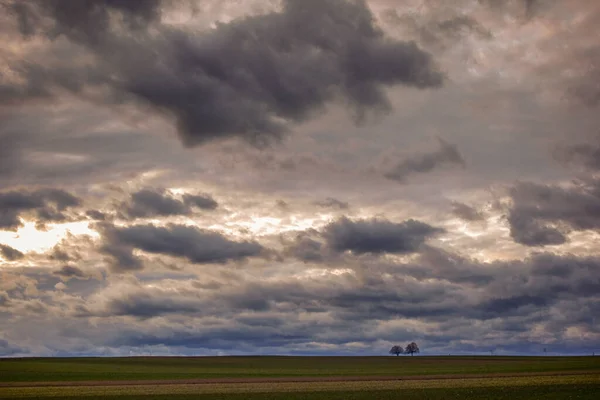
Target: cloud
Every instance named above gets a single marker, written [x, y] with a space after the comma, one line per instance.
[447, 155]
[249, 78]
[123, 259]
[331, 202]
[373, 236]
[69, 271]
[526, 230]
[466, 212]
[96, 215]
[85, 21]
[7, 349]
[441, 298]
[587, 155]
[48, 204]
[437, 30]
[4, 299]
[198, 246]
[148, 203]
[146, 305]
[203, 201]
[377, 236]
[543, 214]
[306, 249]
[10, 254]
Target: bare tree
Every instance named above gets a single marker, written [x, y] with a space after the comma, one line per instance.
[397, 350]
[411, 348]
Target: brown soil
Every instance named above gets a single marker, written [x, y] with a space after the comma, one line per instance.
[287, 379]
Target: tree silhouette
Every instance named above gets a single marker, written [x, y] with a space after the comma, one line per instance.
[397, 350]
[411, 348]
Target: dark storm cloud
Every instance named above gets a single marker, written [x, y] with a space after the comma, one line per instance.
[196, 245]
[446, 155]
[377, 236]
[249, 78]
[9, 253]
[466, 212]
[285, 66]
[543, 214]
[49, 205]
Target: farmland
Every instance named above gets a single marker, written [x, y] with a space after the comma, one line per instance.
[302, 377]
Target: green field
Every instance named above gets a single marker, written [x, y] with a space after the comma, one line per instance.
[417, 378]
[150, 368]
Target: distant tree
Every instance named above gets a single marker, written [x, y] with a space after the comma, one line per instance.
[397, 350]
[411, 348]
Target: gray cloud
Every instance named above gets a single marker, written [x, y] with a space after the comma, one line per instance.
[543, 214]
[520, 292]
[249, 78]
[86, 20]
[96, 215]
[203, 201]
[147, 203]
[587, 155]
[123, 259]
[48, 204]
[331, 202]
[437, 31]
[446, 155]
[9, 253]
[196, 245]
[373, 236]
[364, 306]
[306, 249]
[7, 349]
[377, 235]
[69, 271]
[526, 230]
[466, 212]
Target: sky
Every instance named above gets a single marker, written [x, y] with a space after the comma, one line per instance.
[303, 177]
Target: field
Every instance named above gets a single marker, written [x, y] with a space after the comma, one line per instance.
[302, 378]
